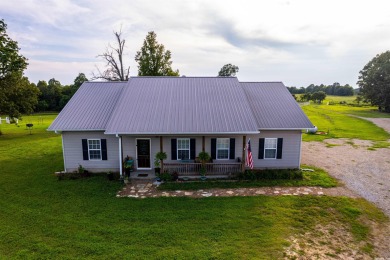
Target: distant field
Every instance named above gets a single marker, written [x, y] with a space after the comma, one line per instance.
[338, 99]
[43, 218]
[341, 121]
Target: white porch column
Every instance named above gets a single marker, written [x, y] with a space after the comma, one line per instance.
[120, 157]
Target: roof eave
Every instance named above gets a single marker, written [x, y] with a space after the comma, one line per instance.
[186, 133]
[76, 130]
[286, 129]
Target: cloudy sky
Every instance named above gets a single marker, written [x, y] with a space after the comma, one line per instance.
[298, 42]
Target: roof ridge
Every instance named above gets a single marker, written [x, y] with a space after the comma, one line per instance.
[261, 81]
[105, 81]
[184, 77]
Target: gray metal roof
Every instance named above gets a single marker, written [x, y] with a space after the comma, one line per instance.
[274, 107]
[90, 108]
[182, 105]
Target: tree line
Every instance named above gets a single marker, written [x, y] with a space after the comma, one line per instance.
[335, 89]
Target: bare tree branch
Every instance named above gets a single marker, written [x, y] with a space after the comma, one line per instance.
[113, 57]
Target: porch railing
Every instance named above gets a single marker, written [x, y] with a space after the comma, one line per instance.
[184, 169]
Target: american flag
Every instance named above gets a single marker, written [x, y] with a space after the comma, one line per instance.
[249, 159]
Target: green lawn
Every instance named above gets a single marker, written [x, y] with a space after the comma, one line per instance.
[340, 121]
[42, 217]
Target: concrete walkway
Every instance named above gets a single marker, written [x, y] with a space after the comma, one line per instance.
[146, 189]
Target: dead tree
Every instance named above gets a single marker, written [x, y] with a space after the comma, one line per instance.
[113, 57]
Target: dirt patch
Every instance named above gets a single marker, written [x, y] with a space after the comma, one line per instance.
[366, 172]
[333, 241]
[381, 122]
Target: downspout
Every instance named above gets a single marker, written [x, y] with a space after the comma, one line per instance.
[162, 150]
[243, 153]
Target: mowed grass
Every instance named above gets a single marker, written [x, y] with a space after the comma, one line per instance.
[43, 218]
[341, 121]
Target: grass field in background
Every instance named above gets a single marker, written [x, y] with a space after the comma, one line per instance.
[341, 121]
[42, 217]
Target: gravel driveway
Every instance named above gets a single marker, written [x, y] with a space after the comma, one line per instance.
[363, 171]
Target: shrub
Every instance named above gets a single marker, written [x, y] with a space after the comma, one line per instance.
[271, 174]
[165, 176]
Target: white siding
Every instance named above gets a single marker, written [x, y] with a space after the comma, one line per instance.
[291, 149]
[129, 146]
[73, 152]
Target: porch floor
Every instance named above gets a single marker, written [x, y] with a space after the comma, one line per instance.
[140, 175]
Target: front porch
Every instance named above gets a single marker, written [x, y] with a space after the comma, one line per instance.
[227, 157]
[194, 169]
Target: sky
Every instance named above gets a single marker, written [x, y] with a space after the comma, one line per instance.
[298, 42]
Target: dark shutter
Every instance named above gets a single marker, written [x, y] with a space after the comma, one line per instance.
[261, 148]
[213, 148]
[279, 149]
[173, 149]
[104, 149]
[85, 149]
[232, 148]
[192, 148]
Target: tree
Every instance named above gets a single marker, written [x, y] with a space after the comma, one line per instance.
[374, 81]
[153, 59]
[79, 80]
[18, 95]
[306, 97]
[67, 92]
[113, 57]
[318, 96]
[228, 70]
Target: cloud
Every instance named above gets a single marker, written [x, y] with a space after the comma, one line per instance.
[298, 41]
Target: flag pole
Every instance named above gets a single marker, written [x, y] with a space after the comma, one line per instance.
[243, 153]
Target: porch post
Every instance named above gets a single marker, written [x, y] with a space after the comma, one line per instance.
[203, 143]
[162, 150]
[120, 158]
[243, 153]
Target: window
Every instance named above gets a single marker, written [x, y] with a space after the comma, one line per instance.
[270, 145]
[183, 149]
[223, 148]
[94, 149]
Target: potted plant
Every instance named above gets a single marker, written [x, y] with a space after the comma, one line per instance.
[204, 157]
[158, 161]
[128, 165]
[157, 165]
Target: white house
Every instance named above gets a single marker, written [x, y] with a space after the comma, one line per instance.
[106, 121]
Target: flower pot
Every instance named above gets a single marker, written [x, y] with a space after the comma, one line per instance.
[110, 176]
[203, 178]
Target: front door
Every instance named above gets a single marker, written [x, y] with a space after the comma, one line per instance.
[143, 153]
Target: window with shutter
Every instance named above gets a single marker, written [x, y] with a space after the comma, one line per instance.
[270, 145]
[183, 148]
[223, 148]
[94, 149]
